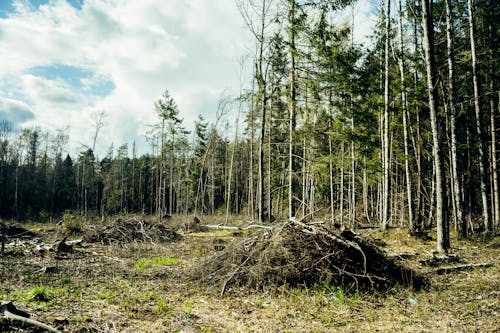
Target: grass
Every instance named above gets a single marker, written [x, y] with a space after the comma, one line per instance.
[145, 265]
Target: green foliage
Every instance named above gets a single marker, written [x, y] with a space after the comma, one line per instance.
[73, 224]
[40, 294]
[335, 294]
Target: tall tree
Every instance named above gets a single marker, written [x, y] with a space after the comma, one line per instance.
[443, 242]
[455, 171]
[481, 146]
[167, 110]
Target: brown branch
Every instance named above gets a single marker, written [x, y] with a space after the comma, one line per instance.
[9, 311]
[446, 270]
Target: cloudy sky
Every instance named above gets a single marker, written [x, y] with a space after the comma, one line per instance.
[63, 61]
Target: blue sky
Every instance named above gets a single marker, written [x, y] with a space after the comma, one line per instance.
[64, 61]
[7, 6]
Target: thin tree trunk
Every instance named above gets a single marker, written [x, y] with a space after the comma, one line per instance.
[352, 197]
[479, 119]
[229, 180]
[496, 195]
[455, 171]
[418, 145]
[386, 164]
[365, 192]
[341, 201]
[293, 93]
[404, 106]
[330, 164]
[443, 242]
[268, 196]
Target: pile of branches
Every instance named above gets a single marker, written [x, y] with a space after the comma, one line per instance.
[131, 229]
[14, 231]
[297, 253]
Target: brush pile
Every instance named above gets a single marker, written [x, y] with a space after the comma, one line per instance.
[297, 253]
[131, 229]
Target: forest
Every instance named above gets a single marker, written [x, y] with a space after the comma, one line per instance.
[348, 187]
[400, 133]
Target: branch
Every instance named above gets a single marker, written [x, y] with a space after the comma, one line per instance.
[446, 270]
[9, 311]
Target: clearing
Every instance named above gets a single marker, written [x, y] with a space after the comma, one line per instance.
[140, 280]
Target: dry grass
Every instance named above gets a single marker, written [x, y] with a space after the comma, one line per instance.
[99, 289]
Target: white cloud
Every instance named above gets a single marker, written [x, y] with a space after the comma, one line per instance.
[15, 111]
[143, 47]
[191, 47]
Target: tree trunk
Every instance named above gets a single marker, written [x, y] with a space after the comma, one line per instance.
[443, 242]
[496, 195]
[455, 171]
[479, 119]
[404, 107]
[385, 128]
[292, 106]
[341, 199]
[330, 164]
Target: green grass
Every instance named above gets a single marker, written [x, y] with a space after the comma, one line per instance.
[145, 265]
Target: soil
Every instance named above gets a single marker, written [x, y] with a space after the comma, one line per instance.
[145, 286]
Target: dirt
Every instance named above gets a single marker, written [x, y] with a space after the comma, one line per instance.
[144, 287]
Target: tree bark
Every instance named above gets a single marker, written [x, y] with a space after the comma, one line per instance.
[455, 170]
[292, 106]
[443, 242]
[481, 145]
[404, 107]
[385, 129]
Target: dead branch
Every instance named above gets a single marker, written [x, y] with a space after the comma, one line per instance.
[9, 311]
[228, 227]
[446, 270]
[312, 229]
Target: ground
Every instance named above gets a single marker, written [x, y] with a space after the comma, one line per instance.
[143, 287]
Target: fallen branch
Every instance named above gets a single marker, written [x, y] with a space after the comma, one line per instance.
[9, 311]
[446, 270]
[228, 227]
[347, 243]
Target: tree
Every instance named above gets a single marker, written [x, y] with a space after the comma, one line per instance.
[481, 145]
[443, 242]
[385, 120]
[167, 110]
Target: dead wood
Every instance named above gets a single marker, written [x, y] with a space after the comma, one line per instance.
[131, 229]
[446, 270]
[296, 253]
[438, 260]
[228, 227]
[63, 247]
[14, 231]
[20, 318]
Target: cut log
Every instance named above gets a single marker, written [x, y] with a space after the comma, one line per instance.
[446, 270]
[9, 311]
[228, 227]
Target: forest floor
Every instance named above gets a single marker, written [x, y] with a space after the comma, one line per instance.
[143, 287]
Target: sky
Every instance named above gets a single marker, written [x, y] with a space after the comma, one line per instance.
[64, 61]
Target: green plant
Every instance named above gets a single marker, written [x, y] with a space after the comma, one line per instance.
[143, 265]
[39, 294]
[72, 224]
[335, 294]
